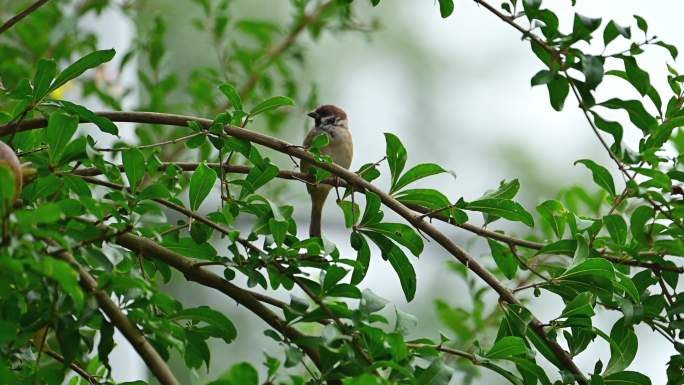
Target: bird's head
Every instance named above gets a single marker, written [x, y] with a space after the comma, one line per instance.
[329, 118]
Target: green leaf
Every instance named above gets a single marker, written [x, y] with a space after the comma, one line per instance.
[636, 111]
[65, 275]
[640, 217]
[417, 172]
[504, 208]
[401, 264]
[641, 23]
[507, 347]
[81, 65]
[400, 233]
[636, 76]
[446, 7]
[239, 374]
[396, 156]
[506, 190]
[201, 184]
[553, 213]
[582, 305]
[558, 87]
[435, 374]
[626, 378]
[541, 77]
[612, 31]
[504, 258]
[360, 244]
[624, 349]
[188, 247]
[592, 68]
[271, 104]
[371, 213]
[670, 48]
[45, 72]
[60, 129]
[104, 124]
[617, 228]
[211, 317]
[232, 94]
[134, 166]
[600, 175]
[351, 212]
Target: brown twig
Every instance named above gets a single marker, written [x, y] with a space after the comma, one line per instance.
[15, 19]
[129, 330]
[74, 366]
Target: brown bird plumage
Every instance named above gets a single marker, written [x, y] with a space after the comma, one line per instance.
[332, 121]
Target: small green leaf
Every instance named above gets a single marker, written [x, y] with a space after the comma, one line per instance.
[670, 48]
[600, 175]
[507, 347]
[641, 23]
[504, 258]
[134, 166]
[553, 213]
[504, 208]
[104, 124]
[626, 378]
[360, 244]
[201, 184]
[582, 305]
[636, 76]
[624, 348]
[371, 213]
[45, 72]
[612, 30]
[400, 233]
[558, 87]
[232, 94]
[636, 111]
[640, 217]
[592, 68]
[541, 77]
[401, 264]
[60, 129]
[188, 247]
[81, 65]
[617, 228]
[446, 7]
[416, 173]
[396, 156]
[271, 104]
[214, 318]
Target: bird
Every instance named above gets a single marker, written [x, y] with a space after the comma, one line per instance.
[332, 121]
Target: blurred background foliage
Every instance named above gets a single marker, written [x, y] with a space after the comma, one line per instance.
[456, 91]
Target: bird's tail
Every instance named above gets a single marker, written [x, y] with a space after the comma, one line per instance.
[318, 196]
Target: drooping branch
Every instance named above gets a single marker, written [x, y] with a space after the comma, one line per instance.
[131, 332]
[15, 19]
[149, 249]
[350, 177]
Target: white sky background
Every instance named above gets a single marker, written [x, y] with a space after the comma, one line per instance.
[465, 102]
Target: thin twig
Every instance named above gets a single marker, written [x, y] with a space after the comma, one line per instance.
[15, 19]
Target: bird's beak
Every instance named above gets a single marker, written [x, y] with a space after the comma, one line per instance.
[313, 114]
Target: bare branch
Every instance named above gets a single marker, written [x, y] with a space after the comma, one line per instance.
[15, 19]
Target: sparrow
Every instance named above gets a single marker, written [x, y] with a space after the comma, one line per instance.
[332, 121]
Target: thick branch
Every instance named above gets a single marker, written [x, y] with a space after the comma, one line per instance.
[137, 339]
[15, 19]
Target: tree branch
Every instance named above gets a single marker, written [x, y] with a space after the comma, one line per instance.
[148, 248]
[294, 175]
[137, 339]
[15, 19]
